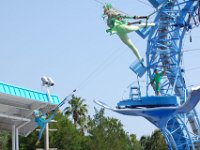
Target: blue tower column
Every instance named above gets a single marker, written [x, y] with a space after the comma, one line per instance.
[164, 50]
[173, 112]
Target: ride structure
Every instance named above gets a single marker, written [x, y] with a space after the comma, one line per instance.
[173, 111]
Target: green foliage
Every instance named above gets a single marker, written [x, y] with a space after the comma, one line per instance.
[145, 142]
[134, 142]
[4, 136]
[107, 133]
[155, 141]
[29, 143]
[67, 137]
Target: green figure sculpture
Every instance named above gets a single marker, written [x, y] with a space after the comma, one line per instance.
[118, 25]
[157, 79]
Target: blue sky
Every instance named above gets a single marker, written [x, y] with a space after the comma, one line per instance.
[66, 39]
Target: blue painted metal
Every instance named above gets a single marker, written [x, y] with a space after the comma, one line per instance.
[157, 3]
[138, 68]
[175, 116]
[144, 32]
[172, 120]
[165, 41]
[164, 113]
[150, 101]
[27, 93]
[164, 50]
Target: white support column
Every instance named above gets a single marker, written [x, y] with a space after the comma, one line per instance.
[17, 139]
[49, 95]
[13, 137]
[47, 137]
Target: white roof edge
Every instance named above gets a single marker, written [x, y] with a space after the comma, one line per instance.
[15, 117]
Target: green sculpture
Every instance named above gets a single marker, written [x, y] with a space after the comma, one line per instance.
[157, 80]
[118, 24]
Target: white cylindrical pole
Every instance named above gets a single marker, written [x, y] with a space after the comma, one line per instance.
[47, 137]
[49, 95]
[13, 137]
[17, 139]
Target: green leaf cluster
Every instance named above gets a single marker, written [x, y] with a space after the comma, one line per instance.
[154, 142]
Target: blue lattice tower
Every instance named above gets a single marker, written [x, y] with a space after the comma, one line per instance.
[173, 112]
[164, 50]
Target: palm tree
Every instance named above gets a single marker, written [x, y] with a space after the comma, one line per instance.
[78, 110]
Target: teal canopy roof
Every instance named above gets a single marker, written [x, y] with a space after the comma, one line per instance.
[27, 93]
